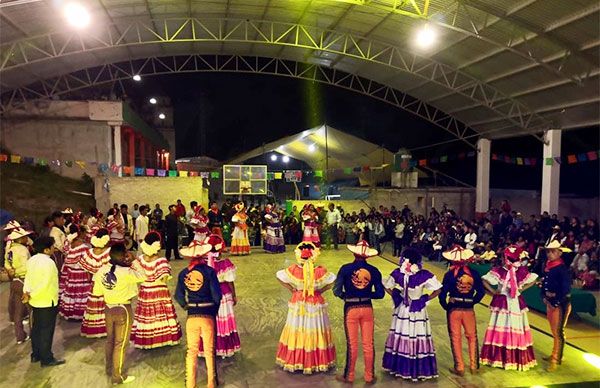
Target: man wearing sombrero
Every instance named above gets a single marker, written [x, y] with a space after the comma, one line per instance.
[556, 293]
[357, 283]
[16, 265]
[199, 293]
[461, 290]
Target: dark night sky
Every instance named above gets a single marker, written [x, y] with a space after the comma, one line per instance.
[239, 112]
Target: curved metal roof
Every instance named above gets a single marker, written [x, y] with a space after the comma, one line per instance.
[501, 68]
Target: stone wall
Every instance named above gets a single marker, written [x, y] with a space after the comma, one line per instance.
[151, 190]
[51, 139]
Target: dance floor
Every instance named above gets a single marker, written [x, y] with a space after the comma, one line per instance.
[261, 313]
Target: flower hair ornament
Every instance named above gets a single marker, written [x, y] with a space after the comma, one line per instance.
[306, 254]
[150, 249]
[100, 242]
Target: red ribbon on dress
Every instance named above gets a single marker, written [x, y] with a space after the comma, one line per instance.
[195, 261]
[464, 265]
[512, 273]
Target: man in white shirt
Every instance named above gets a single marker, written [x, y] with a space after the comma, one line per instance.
[40, 290]
[470, 238]
[58, 234]
[398, 237]
[333, 219]
[141, 225]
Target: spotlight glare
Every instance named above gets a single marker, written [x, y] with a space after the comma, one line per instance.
[137, 78]
[286, 159]
[161, 116]
[426, 36]
[592, 359]
[77, 15]
[153, 101]
[312, 148]
[274, 158]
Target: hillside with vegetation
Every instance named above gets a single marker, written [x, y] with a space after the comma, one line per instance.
[33, 192]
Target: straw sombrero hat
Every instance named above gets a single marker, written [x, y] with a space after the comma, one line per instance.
[555, 244]
[195, 249]
[363, 249]
[458, 253]
[67, 211]
[12, 224]
[17, 233]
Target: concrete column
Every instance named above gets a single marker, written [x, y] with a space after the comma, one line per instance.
[131, 147]
[142, 143]
[551, 173]
[482, 192]
[118, 158]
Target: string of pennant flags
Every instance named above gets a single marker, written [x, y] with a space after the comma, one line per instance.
[296, 175]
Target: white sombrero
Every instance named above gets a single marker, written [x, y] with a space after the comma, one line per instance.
[195, 249]
[363, 249]
[17, 234]
[458, 253]
[12, 224]
[554, 244]
[67, 211]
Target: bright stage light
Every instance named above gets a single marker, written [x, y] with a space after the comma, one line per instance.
[137, 78]
[77, 15]
[153, 101]
[592, 359]
[161, 116]
[286, 159]
[426, 36]
[312, 148]
[274, 158]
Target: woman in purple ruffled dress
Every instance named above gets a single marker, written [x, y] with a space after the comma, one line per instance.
[409, 351]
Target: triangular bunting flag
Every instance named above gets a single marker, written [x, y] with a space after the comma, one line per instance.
[558, 159]
[41, 162]
[520, 161]
[27, 160]
[80, 163]
[592, 155]
[571, 159]
[582, 157]
[128, 170]
[162, 172]
[423, 162]
[549, 161]
[494, 157]
[443, 159]
[193, 173]
[348, 170]
[278, 175]
[270, 176]
[172, 173]
[204, 174]
[150, 172]
[69, 163]
[15, 159]
[3, 157]
[470, 154]
[215, 174]
[319, 173]
[183, 173]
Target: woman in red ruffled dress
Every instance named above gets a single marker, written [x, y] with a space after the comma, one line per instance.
[77, 282]
[94, 322]
[155, 321]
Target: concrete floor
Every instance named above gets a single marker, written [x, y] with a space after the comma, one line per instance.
[261, 313]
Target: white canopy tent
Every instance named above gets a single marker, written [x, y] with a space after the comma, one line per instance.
[331, 150]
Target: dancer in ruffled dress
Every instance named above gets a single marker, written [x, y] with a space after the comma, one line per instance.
[199, 223]
[77, 282]
[508, 343]
[310, 217]
[409, 351]
[274, 242]
[94, 322]
[228, 340]
[155, 321]
[306, 343]
[240, 245]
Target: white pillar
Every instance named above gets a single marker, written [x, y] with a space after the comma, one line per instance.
[551, 173]
[482, 192]
[118, 159]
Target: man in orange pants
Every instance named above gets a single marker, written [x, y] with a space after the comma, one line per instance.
[198, 291]
[357, 283]
[556, 293]
[461, 290]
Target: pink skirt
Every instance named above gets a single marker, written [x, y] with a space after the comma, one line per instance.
[228, 340]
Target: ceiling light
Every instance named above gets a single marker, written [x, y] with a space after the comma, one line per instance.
[161, 116]
[137, 78]
[426, 36]
[286, 159]
[77, 15]
[312, 148]
[153, 101]
[274, 158]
